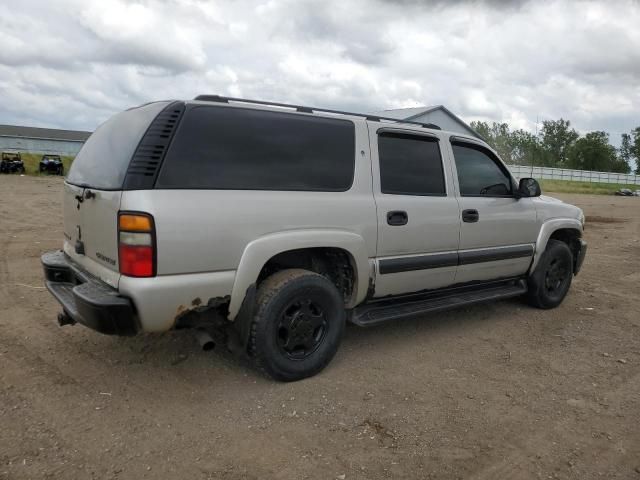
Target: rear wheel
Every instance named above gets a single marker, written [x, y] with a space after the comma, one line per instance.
[550, 282]
[298, 326]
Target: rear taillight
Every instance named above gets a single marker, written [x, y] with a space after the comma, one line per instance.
[137, 244]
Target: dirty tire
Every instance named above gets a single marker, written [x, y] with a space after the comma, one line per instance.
[298, 325]
[550, 282]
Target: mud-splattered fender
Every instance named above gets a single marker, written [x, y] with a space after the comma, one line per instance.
[258, 252]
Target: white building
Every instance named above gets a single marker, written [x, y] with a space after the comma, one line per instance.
[14, 138]
[437, 114]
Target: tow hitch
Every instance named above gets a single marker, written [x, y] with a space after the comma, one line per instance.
[65, 319]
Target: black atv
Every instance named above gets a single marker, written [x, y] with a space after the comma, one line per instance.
[51, 164]
[11, 163]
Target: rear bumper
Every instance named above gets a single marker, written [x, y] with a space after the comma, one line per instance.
[86, 299]
[580, 258]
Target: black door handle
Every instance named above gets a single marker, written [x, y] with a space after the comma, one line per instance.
[397, 217]
[470, 216]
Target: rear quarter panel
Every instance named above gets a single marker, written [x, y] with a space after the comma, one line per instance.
[205, 231]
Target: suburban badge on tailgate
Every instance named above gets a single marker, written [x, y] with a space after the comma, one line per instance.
[104, 258]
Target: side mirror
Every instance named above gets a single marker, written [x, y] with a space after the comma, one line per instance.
[529, 187]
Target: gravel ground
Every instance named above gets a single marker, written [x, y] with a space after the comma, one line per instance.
[498, 391]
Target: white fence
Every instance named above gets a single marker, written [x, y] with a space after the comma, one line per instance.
[520, 171]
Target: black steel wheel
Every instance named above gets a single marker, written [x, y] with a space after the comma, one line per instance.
[298, 325]
[301, 328]
[550, 282]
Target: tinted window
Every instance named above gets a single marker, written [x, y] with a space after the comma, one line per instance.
[478, 173]
[103, 160]
[243, 149]
[410, 165]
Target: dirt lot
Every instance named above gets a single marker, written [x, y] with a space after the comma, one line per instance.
[499, 391]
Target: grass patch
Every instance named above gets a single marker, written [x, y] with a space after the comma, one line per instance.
[565, 186]
[32, 163]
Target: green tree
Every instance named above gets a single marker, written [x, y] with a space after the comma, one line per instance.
[557, 137]
[559, 145]
[482, 129]
[502, 141]
[593, 152]
[625, 148]
[624, 153]
[620, 166]
[498, 136]
[634, 148]
[525, 149]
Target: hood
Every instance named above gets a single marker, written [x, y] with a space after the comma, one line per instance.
[550, 207]
[546, 198]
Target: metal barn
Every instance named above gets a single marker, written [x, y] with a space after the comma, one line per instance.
[437, 114]
[15, 138]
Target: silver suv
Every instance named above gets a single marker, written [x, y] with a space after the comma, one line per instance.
[267, 226]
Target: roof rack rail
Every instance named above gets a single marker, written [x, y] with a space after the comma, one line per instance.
[300, 108]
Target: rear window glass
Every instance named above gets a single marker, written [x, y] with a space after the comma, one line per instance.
[104, 158]
[244, 149]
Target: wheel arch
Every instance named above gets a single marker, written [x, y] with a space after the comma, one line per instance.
[263, 250]
[568, 230]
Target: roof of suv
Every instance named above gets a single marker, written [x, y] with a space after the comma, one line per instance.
[311, 110]
[305, 109]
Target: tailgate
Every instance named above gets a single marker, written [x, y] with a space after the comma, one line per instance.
[91, 230]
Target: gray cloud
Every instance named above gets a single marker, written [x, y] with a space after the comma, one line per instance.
[73, 63]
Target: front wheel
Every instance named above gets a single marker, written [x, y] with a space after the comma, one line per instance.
[298, 325]
[550, 282]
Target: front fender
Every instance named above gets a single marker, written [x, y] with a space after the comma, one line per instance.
[260, 251]
[547, 229]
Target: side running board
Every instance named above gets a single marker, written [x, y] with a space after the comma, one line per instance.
[375, 313]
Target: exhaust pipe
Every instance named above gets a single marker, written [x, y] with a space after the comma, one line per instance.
[205, 340]
[65, 319]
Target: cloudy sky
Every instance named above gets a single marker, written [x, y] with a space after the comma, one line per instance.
[73, 63]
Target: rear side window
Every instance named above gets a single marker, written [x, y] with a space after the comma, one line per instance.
[245, 149]
[410, 165]
[103, 160]
[479, 174]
